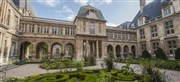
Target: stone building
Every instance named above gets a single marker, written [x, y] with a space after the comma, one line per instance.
[157, 25]
[23, 35]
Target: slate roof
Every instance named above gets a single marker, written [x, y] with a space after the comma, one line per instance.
[21, 3]
[165, 1]
[83, 12]
[151, 11]
[125, 25]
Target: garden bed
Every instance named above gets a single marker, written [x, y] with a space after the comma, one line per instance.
[164, 64]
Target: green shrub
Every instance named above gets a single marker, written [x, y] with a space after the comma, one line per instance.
[72, 80]
[177, 54]
[50, 78]
[145, 54]
[79, 65]
[114, 72]
[147, 78]
[90, 78]
[126, 77]
[160, 54]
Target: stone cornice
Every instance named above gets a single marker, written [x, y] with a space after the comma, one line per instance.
[3, 26]
[89, 19]
[46, 20]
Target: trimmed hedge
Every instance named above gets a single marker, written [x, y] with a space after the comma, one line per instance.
[160, 54]
[177, 54]
[72, 80]
[50, 78]
[145, 54]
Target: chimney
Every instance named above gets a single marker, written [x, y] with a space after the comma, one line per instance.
[142, 5]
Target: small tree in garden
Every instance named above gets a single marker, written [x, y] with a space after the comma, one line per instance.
[160, 54]
[109, 62]
[177, 54]
[145, 54]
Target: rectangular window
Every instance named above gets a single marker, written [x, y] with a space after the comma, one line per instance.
[99, 27]
[172, 47]
[142, 34]
[154, 31]
[8, 16]
[169, 27]
[143, 46]
[5, 49]
[15, 22]
[140, 21]
[167, 11]
[84, 26]
[155, 45]
[92, 28]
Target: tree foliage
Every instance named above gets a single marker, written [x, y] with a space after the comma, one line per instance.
[145, 54]
[160, 54]
[177, 54]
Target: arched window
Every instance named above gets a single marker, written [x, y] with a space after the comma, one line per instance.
[57, 50]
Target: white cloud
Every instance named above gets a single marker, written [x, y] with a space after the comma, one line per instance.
[93, 2]
[82, 2]
[70, 17]
[50, 3]
[65, 9]
[66, 12]
[111, 24]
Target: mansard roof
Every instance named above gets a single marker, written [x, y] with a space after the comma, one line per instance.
[151, 11]
[125, 25]
[84, 9]
[165, 1]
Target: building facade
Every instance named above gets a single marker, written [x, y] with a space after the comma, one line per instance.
[157, 25]
[23, 35]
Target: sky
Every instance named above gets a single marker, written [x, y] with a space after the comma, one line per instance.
[115, 12]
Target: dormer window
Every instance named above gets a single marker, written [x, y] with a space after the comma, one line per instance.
[167, 10]
[141, 20]
[91, 14]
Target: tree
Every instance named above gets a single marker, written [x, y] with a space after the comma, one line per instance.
[145, 54]
[177, 54]
[160, 54]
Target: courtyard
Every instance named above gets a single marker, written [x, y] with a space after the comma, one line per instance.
[33, 69]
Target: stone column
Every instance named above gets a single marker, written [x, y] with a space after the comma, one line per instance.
[114, 51]
[87, 48]
[79, 52]
[9, 42]
[122, 52]
[34, 50]
[36, 28]
[0, 41]
[49, 50]
[97, 49]
[2, 50]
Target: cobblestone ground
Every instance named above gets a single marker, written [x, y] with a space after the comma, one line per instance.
[33, 69]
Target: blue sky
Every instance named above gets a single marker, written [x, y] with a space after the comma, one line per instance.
[114, 11]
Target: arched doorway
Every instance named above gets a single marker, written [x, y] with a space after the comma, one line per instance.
[118, 51]
[69, 50]
[42, 50]
[133, 49]
[56, 50]
[126, 51]
[110, 50]
[25, 50]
